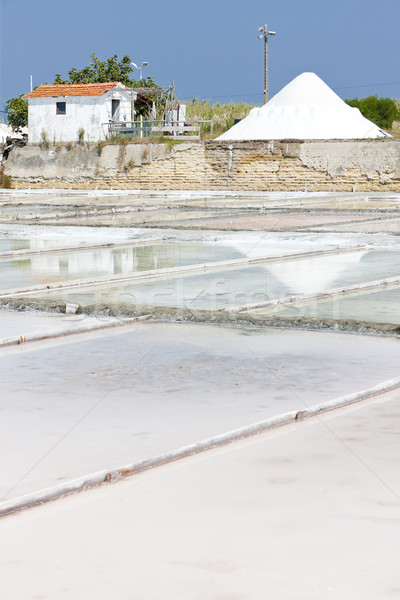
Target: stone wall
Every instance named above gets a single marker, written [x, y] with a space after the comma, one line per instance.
[254, 166]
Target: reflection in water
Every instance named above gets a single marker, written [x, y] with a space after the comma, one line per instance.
[213, 290]
[108, 262]
[372, 307]
[238, 286]
[208, 291]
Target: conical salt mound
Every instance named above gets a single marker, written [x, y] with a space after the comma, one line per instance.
[305, 109]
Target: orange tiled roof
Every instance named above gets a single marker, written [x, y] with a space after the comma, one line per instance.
[71, 89]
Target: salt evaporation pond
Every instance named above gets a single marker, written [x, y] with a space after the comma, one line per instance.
[13, 244]
[374, 307]
[239, 286]
[94, 404]
[318, 489]
[377, 225]
[15, 324]
[80, 264]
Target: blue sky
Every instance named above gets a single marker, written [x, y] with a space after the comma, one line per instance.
[209, 48]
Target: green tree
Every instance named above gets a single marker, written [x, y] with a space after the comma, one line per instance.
[17, 109]
[99, 71]
[381, 111]
[112, 69]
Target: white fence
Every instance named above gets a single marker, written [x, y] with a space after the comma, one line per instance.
[178, 129]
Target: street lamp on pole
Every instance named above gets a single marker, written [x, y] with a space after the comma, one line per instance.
[264, 33]
[142, 66]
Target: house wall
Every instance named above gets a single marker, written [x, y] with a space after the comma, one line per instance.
[5, 132]
[88, 112]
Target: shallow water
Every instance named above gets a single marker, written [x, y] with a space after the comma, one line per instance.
[12, 244]
[240, 286]
[78, 264]
[374, 307]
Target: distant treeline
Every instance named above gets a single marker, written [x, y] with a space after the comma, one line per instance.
[381, 111]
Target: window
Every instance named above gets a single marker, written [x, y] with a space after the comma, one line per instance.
[61, 108]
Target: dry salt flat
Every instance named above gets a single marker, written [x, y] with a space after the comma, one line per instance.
[308, 511]
[391, 225]
[272, 222]
[306, 108]
[122, 209]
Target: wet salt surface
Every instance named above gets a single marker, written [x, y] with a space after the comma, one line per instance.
[273, 221]
[391, 225]
[13, 244]
[374, 307]
[47, 236]
[240, 286]
[308, 511]
[101, 262]
[73, 409]
[153, 218]
[15, 324]
[346, 218]
[130, 209]
[253, 241]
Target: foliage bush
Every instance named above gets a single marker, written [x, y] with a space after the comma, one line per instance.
[5, 181]
[17, 109]
[44, 139]
[381, 111]
[99, 71]
[109, 70]
[81, 135]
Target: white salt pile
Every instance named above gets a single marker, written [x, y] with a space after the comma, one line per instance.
[306, 108]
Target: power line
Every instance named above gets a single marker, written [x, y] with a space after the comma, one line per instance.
[345, 87]
[348, 87]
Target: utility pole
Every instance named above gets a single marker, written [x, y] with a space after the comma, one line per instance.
[264, 33]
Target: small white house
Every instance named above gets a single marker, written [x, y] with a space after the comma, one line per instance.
[69, 112]
[6, 131]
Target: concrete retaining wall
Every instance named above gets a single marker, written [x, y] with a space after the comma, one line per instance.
[253, 166]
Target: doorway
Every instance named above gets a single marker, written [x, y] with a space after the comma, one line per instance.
[115, 110]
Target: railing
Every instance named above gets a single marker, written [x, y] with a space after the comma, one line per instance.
[178, 129]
